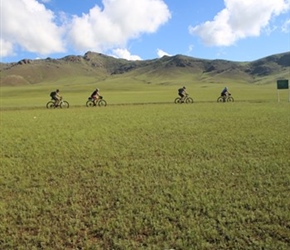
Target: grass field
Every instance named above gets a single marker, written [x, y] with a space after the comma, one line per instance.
[157, 176]
[129, 91]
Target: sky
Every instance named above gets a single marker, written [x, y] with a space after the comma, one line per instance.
[236, 30]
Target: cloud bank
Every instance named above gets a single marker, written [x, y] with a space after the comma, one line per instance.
[28, 25]
[238, 20]
[162, 53]
[125, 54]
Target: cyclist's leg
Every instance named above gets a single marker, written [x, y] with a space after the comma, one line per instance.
[182, 97]
[94, 100]
[224, 96]
[55, 101]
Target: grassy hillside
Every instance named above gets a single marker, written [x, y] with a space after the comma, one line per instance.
[97, 67]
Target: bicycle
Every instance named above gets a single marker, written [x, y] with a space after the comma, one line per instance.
[226, 98]
[61, 104]
[91, 102]
[185, 99]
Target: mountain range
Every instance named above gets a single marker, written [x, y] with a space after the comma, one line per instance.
[100, 66]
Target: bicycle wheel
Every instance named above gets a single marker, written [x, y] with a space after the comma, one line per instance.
[230, 99]
[189, 100]
[64, 105]
[220, 99]
[90, 103]
[102, 103]
[177, 100]
[50, 105]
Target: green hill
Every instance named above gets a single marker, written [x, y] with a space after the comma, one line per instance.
[98, 67]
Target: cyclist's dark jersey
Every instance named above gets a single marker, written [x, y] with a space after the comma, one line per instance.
[224, 92]
[53, 93]
[181, 90]
[94, 93]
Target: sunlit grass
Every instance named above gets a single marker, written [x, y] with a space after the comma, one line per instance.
[200, 176]
[128, 91]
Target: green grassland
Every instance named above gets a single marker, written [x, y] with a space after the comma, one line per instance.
[157, 176]
[124, 89]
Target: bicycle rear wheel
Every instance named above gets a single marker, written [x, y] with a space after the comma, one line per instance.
[177, 100]
[64, 105]
[50, 105]
[221, 99]
[90, 103]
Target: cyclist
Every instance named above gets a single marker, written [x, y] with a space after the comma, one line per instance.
[55, 95]
[95, 96]
[182, 93]
[225, 92]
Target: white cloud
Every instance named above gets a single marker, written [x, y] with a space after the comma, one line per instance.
[239, 19]
[286, 26]
[162, 53]
[6, 48]
[27, 25]
[125, 54]
[115, 24]
[190, 48]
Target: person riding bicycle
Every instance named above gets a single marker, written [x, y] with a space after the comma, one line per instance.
[182, 92]
[55, 95]
[95, 96]
[225, 92]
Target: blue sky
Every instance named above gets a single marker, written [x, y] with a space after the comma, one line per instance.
[144, 29]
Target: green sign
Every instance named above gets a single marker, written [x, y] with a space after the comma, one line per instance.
[282, 84]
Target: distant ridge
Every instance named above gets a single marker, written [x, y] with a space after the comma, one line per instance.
[101, 66]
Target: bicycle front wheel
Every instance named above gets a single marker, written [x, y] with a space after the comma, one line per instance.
[102, 103]
[189, 100]
[64, 105]
[230, 99]
[50, 105]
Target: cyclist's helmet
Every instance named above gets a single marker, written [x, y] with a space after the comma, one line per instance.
[184, 87]
[57, 90]
[97, 89]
